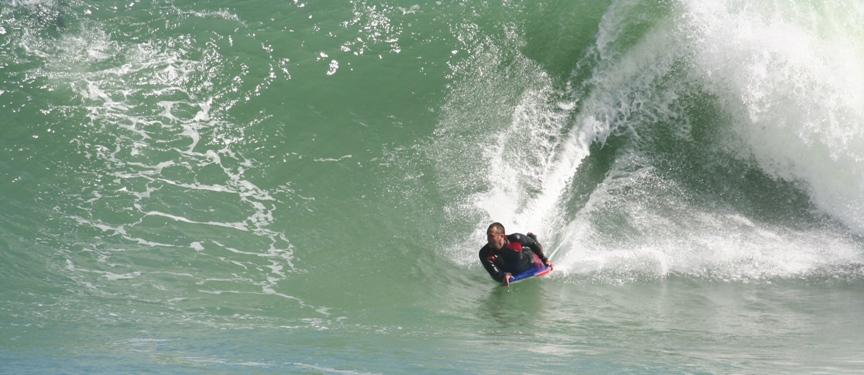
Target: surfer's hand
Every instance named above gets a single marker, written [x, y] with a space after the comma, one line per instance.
[548, 262]
[507, 277]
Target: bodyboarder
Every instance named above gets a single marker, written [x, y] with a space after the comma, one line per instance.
[505, 255]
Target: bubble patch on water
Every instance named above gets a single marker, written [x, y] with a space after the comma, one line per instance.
[167, 190]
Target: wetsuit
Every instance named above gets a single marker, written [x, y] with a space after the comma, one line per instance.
[513, 257]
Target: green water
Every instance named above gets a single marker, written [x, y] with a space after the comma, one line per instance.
[302, 187]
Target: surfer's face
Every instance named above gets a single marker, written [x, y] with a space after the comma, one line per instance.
[495, 239]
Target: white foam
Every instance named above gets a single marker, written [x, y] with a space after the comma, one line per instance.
[238, 225]
[221, 13]
[197, 246]
[114, 276]
[332, 160]
[328, 370]
[794, 85]
[333, 67]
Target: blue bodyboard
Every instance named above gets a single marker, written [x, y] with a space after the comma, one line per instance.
[531, 273]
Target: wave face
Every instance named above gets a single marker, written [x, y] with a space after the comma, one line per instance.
[303, 187]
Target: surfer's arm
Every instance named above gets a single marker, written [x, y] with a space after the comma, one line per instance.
[490, 267]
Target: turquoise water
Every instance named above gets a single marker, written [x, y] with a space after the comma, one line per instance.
[302, 187]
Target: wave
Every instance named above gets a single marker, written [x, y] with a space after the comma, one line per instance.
[697, 141]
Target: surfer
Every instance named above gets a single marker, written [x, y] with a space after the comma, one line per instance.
[504, 255]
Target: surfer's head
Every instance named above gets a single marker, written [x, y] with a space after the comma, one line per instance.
[495, 236]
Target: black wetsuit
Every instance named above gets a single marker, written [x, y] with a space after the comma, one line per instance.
[511, 258]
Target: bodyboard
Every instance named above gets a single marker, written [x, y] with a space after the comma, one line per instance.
[540, 271]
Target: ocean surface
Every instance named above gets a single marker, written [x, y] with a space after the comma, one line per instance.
[303, 186]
